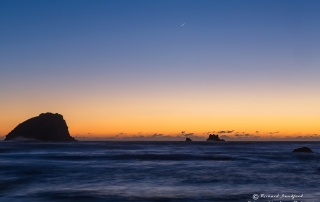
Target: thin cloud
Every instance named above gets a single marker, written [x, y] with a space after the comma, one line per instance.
[274, 132]
[225, 131]
[209, 132]
[245, 136]
[157, 135]
[189, 135]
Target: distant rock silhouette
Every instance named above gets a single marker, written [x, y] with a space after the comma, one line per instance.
[188, 140]
[303, 149]
[45, 127]
[213, 137]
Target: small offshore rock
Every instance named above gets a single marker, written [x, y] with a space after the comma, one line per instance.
[303, 149]
[188, 140]
[213, 137]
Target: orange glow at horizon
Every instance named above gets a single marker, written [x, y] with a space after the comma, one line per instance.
[170, 111]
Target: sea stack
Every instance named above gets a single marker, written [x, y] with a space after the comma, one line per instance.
[303, 149]
[213, 137]
[188, 139]
[45, 127]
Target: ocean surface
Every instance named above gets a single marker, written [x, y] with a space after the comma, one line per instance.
[159, 171]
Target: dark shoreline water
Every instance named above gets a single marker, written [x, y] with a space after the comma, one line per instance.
[157, 171]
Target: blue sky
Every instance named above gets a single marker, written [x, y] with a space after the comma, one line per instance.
[237, 36]
[129, 50]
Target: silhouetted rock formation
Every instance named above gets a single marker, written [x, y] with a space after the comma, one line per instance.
[213, 137]
[303, 149]
[188, 140]
[45, 127]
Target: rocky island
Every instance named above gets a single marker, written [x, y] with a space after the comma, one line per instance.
[45, 127]
[213, 137]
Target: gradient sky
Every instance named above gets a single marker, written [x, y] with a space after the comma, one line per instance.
[130, 68]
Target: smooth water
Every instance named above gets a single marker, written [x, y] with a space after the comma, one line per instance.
[158, 171]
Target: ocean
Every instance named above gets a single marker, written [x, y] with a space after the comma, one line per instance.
[159, 171]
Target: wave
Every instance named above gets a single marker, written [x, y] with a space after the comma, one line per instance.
[143, 157]
[83, 195]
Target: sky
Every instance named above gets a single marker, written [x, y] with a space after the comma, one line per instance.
[119, 69]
